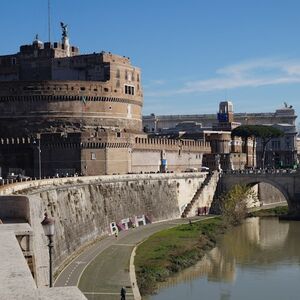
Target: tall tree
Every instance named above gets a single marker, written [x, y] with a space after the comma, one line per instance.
[264, 132]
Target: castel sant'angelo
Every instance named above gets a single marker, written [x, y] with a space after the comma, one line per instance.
[63, 112]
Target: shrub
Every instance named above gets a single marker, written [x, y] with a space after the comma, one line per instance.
[234, 204]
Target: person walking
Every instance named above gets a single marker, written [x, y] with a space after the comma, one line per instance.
[123, 293]
[116, 233]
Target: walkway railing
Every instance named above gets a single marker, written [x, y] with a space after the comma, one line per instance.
[17, 180]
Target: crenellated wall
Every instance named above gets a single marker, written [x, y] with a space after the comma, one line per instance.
[171, 144]
[179, 155]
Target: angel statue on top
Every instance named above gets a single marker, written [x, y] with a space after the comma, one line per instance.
[64, 28]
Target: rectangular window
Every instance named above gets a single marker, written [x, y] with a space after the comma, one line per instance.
[129, 89]
[93, 155]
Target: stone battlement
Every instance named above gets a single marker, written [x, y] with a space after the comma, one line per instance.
[171, 144]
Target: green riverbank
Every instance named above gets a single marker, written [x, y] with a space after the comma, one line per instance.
[270, 212]
[169, 251]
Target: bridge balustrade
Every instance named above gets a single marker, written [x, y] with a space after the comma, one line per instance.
[259, 171]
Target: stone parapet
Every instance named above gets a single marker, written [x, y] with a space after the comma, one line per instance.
[16, 279]
[18, 187]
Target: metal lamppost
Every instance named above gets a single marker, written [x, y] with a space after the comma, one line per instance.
[38, 138]
[48, 226]
[40, 161]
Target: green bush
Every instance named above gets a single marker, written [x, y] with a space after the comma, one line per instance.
[234, 204]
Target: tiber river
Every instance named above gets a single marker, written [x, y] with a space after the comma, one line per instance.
[259, 260]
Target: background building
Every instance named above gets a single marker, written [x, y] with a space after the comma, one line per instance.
[226, 152]
[155, 123]
[281, 152]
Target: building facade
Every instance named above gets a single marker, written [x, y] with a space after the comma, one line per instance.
[155, 123]
[227, 152]
[280, 153]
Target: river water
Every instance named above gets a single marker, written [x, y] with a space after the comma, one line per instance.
[257, 260]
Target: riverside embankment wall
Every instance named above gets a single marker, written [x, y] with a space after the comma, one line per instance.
[83, 207]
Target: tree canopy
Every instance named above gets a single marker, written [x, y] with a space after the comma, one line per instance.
[259, 131]
[264, 132]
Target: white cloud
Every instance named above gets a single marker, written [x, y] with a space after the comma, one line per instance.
[254, 73]
[154, 83]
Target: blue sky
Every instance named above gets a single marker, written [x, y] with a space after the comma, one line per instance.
[193, 53]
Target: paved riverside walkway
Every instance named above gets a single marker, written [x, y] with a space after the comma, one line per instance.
[102, 269]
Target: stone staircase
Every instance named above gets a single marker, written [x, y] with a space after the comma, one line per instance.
[196, 196]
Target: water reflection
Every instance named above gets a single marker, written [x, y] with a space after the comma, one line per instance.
[255, 255]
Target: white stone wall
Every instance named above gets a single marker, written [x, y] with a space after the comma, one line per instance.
[83, 207]
[186, 189]
[150, 160]
[206, 197]
[145, 160]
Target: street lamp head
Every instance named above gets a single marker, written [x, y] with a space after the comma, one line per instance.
[48, 225]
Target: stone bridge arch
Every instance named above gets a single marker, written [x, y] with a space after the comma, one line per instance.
[253, 181]
[288, 183]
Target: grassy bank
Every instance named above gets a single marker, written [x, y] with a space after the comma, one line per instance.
[270, 212]
[172, 250]
[169, 251]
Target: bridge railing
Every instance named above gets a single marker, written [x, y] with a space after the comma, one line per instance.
[260, 171]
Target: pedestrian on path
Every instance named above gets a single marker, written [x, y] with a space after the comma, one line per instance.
[116, 233]
[123, 293]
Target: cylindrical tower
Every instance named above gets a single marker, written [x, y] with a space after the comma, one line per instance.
[51, 88]
[50, 106]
